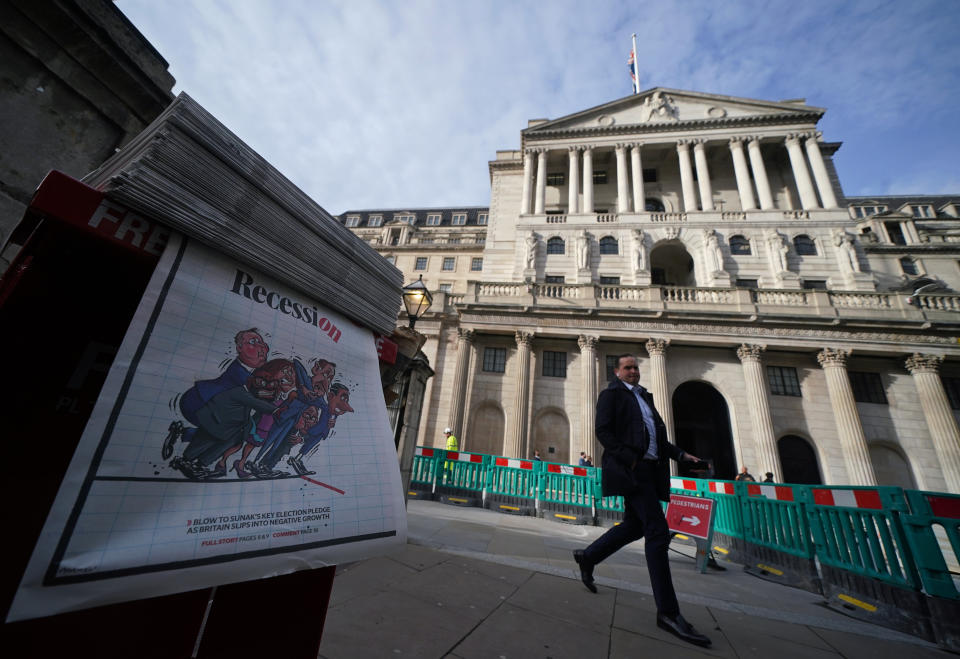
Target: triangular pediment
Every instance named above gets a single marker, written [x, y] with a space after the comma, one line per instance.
[661, 107]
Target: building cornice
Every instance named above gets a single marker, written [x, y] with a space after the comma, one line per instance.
[698, 331]
[536, 133]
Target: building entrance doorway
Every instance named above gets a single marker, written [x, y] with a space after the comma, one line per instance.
[671, 265]
[798, 461]
[701, 423]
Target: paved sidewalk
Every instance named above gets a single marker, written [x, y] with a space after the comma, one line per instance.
[476, 583]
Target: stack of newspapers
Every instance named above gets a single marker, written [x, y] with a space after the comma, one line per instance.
[187, 171]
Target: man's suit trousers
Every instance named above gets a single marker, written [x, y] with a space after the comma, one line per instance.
[643, 517]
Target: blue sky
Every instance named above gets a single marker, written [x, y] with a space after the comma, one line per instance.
[386, 104]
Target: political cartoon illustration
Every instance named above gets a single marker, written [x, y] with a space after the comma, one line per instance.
[278, 408]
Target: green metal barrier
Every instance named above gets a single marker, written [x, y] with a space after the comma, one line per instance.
[866, 565]
[461, 478]
[777, 535]
[566, 493]
[728, 537]
[423, 474]
[511, 485]
[928, 509]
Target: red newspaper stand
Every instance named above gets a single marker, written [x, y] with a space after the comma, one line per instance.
[65, 304]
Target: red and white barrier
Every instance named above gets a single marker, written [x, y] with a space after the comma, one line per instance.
[847, 498]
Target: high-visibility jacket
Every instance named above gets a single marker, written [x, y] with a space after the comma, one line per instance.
[452, 443]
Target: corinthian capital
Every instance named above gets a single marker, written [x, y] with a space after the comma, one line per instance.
[750, 352]
[465, 335]
[523, 339]
[830, 357]
[588, 342]
[919, 363]
[657, 346]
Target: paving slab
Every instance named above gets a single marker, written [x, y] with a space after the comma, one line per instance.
[559, 598]
[512, 632]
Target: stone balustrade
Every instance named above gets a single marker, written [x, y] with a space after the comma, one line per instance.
[711, 218]
[809, 303]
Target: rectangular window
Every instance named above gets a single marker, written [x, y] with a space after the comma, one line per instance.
[405, 217]
[553, 279]
[609, 281]
[433, 219]
[494, 360]
[649, 176]
[611, 364]
[391, 259]
[476, 264]
[353, 220]
[815, 284]
[555, 179]
[952, 387]
[895, 231]
[374, 220]
[449, 262]
[421, 263]
[446, 288]
[867, 388]
[599, 177]
[747, 283]
[554, 364]
[481, 218]
[459, 219]
[922, 211]
[783, 381]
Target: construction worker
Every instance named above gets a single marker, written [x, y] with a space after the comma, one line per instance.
[452, 445]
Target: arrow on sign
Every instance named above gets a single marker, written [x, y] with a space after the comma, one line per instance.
[692, 521]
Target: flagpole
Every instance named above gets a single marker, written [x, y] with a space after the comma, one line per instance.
[636, 67]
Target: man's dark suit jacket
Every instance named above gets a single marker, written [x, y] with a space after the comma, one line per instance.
[624, 436]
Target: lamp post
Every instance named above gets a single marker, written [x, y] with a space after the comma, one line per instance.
[416, 299]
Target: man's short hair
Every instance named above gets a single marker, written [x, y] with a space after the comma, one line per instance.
[622, 357]
[337, 386]
[238, 339]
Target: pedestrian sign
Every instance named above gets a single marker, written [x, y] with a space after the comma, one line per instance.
[693, 516]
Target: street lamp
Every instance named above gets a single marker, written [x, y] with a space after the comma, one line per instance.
[416, 299]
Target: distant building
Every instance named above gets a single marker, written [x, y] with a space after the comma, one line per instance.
[79, 81]
[779, 324]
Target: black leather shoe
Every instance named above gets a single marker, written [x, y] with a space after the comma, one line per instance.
[682, 629]
[586, 570]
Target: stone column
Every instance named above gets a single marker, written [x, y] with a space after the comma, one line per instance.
[765, 441]
[657, 349]
[517, 439]
[820, 170]
[587, 179]
[856, 457]
[588, 355]
[527, 182]
[939, 417]
[636, 171]
[573, 178]
[458, 395]
[686, 176]
[623, 200]
[760, 174]
[808, 198]
[703, 175]
[744, 187]
[541, 182]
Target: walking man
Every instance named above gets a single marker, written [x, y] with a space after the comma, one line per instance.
[635, 466]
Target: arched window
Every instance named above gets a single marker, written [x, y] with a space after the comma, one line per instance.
[739, 245]
[609, 245]
[909, 266]
[652, 205]
[555, 246]
[804, 245]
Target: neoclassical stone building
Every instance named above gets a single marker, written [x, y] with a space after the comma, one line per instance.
[779, 324]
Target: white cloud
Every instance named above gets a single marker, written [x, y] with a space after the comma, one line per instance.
[369, 104]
